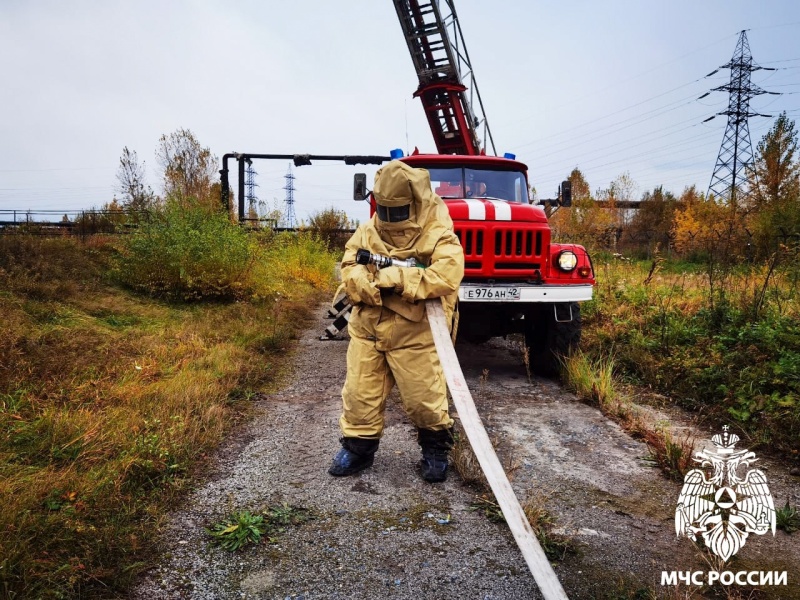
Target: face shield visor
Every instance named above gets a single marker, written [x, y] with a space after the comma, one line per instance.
[393, 214]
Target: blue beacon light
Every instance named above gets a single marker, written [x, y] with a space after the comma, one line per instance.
[396, 153]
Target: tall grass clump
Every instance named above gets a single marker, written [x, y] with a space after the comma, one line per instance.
[47, 268]
[592, 379]
[186, 252]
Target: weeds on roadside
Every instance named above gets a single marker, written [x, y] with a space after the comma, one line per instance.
[715, 563]
[465, 463]
[241, 528]
[787, 518]
[238, 530]
[625, 590]
[593, 380]
[724, 342]
[555, 546]
[487, 505]
[674, 456]
[284, 515]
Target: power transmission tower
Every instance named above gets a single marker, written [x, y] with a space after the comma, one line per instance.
[735, 158]
[291, 219]
[250, 190]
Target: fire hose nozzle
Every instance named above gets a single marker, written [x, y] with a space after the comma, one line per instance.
[365, 257]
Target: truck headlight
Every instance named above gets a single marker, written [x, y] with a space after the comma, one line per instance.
[567, 261]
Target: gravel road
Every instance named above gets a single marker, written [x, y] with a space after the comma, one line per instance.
[385, 533]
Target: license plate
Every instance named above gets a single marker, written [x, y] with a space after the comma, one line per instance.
[491, 293]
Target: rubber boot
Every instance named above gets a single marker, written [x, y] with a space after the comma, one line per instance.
[356, 455]
[435, 450]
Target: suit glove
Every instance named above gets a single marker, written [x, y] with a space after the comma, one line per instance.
[390, 278]
[361, 288]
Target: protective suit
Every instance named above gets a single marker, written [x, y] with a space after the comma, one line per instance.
[391, 341]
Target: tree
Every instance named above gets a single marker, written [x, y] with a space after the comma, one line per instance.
[651, 223]
[585, 222]
[580, 187]
[565, 223]
[189, 169]
[710, 228]
[136, 195]
[622, 190]
[580, 193]
[775, 215]
[332, 226]
[777, 170]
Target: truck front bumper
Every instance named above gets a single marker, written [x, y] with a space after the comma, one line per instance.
[511, 292]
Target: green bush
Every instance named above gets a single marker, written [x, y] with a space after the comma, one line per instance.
[188, 253]
[332, 227]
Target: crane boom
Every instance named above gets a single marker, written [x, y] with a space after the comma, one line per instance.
[443, 68]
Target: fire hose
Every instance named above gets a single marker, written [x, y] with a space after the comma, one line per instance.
[526, 539]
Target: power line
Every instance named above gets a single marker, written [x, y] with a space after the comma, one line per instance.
[604, 149]
[619, 82]
[642, 158]
[613, 127]
[622, 110]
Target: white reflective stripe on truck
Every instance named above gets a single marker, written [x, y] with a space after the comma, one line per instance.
[529, 293]
[502, 210]
[477, 210]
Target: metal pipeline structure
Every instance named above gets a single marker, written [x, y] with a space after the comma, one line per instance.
[298, 159]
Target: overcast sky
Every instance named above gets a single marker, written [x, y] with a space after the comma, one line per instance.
[607, 86]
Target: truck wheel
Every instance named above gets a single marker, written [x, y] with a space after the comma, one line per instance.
[548, 340]
[475, 338]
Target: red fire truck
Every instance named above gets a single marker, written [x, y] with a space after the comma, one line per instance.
[516, 279]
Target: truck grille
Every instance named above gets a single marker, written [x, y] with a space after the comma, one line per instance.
[517, 243]
[472, 241]
[501, 251]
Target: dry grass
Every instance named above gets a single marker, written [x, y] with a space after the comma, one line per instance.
[673, 455]
[593, 380]
[555, 545]
[108, 404]
[464, 461]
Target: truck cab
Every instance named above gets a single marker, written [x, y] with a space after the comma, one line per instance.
[516, 279]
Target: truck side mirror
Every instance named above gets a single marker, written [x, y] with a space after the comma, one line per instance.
[566, 194]
[360, 186]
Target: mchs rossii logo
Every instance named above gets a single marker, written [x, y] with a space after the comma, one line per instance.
[727, 503]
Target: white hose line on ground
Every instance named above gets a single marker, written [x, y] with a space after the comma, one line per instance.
[479, 440]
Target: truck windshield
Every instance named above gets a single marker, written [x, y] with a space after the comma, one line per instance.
[461, 182]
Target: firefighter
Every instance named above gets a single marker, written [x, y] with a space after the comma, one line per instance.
[390, 338]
